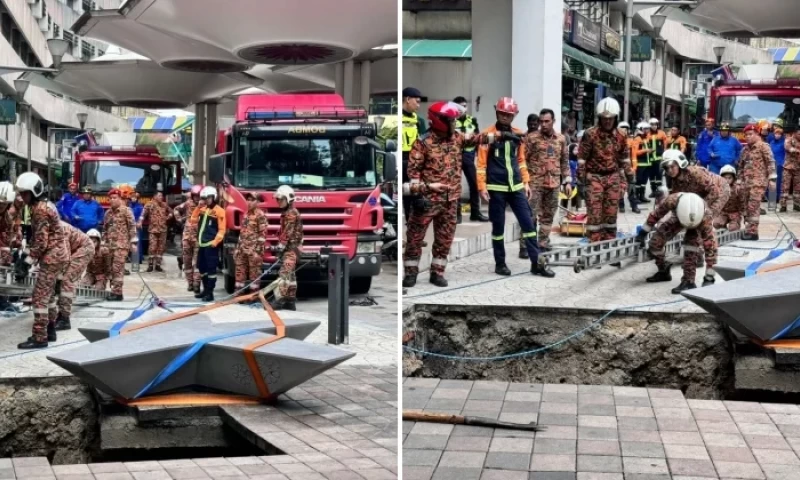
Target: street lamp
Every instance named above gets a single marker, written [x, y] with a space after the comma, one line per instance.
[58, 48]
[21, 86]
[718, 52]
[658, 20]
[82, 117]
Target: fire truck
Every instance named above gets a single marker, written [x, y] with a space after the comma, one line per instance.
[326, 151]
[745, 94]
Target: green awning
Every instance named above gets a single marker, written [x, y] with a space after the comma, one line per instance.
[603, 72]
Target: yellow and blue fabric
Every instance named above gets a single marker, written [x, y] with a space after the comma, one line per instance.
[160, 124]
[785, 54]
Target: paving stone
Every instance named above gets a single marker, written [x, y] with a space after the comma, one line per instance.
[629, 401]
[560, 388]
[525, 387]
[84, 476]
[560, 397]
[321, 467]
[599, 463]
[780, 472]
[739, 470]
[424, 428]
[231, 471]
[669, 393]
[187, 473]
[690, 466]
[487, 395]
[469, 444]
[520, 407]
[734, 406]
[502, 475]
[639, 436]
[712, 415]
[415, 473]
[595, 389]
[471, 431]
[772, 442]
[29, 472]
[511, 445]
[592, 433]
[717, 427]
[222, 462]
[113, 476]
[557, 419]
[694, 452]
[685, 413]
[630, 392]
[436, 442]
[780, 408]
[778, 457]
[508, 461]
[552, 463]
[566, 433]
[147, 466]
[784, 419]
[508, 433]
[450, 473]
[637, 423]
[18, 462]
[560, 408]
[515, 396]
[592, 409]
[554, 446]
[598, 447]
[552, 476]
[599, 476]
[644, 465]
[462, 460]
[731, 454]
[676, 425]
[71, 469]
[759, 429]
[238, 461]
[518, 417]
[752, 417]
[599, 399]
[422, 382]
[631, 411]
[642, 449]
[707, 405]
[483, 405]
[444, 405]
[421, 458]
[724, 440]
[152, 475]
[490, 385]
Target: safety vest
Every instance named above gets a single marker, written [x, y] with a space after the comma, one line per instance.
[657, 145]
[502, 168]
[410, 131]
[208, 227]
[467, 126]
[26, 215]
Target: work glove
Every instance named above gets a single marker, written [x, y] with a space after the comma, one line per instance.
[641, 238]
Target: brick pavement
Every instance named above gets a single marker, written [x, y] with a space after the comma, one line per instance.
[595, 432]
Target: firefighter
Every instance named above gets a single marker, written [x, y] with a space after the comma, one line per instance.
[757, 172]
[641, 153]
[81, 252]
[249, 256]
[98, 271]
[733, 211]
[532, 123]
[87, 213]
[157, 212]
[547, 161]
[602, 154]
[7, 196]
[66, 202]
[689, 211]
[504, 181]
[676, 141]
[434, 173]
[119, 229]
[48, 248]
[468, 124]
[791, 173]
[290, 241]
[723, 149]
[625, 128]
[656, 144]
[183, 215]
[413, 127]
[210, 221]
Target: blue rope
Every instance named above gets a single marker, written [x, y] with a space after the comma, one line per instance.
[136, 313]
[185, 357]
[545, 347]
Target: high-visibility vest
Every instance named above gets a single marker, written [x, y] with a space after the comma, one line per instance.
[467, 126]
[410, 131]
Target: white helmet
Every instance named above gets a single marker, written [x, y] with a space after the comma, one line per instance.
[728, 169]
[691, 209]
[653, 121]
[285, 191]
[624, 125]
[643, 126]
[676, 156]
[208, 192]
[7, 193]
[93, 233]
[608, 107]
[30, 182]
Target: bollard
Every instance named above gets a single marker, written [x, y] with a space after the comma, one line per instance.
[338, 299]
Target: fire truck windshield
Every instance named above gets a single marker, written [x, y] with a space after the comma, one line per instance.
[309, 163]
[103, 175]
[739, 110]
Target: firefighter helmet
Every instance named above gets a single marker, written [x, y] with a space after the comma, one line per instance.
[285, 191]
[728, 170]
[208, 192]
[442, 114]
[690, 210]
[507, 105]
[30, 182]
[608, 107]
[7, 193]
[674, 156]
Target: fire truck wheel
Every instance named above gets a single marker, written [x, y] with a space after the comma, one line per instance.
[230, 283]
[360, 285]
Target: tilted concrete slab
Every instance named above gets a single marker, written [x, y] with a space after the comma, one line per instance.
[124, 365]
[760, 306]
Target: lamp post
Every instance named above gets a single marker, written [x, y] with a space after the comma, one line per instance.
[82, 117]
[21, 86]
[58, 48]
[658, 20]
[718, 52]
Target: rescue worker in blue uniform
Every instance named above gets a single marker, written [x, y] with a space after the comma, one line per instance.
[64, 205]
[724, 150]
[702, 152]
[777, 142]
[469, 125]
[210, 220]
[503, 181]
[86, 212]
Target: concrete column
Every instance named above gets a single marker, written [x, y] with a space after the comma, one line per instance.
[348, 82]
[516, 51]
[198, 144]
[211, 134]
[366, 73]
[339, 79]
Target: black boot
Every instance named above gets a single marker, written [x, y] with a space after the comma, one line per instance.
[438, 280]
[150, 268]
[284, 304]
[523, 252]
[127, 272]
[683, 286]
[208, 296]
[114, 297]
[51, 332]
[31, 344]
[477, 216]
[459, 218]
[542, 270]
[796, 208]
[621, 206]
[783, 209]
[159, 269]
[708, 280]
[409, 281]
[190, 288]
[62, 323]
[662, 275]
[762, 211]
[502, 269]
[750, 236]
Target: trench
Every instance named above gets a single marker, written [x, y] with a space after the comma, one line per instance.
[70, 423]
[687, 351]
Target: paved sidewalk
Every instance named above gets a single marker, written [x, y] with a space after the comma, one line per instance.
[595, 432]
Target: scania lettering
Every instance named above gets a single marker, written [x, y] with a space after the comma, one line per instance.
[326, 152]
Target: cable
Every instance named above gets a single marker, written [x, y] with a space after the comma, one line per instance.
[545, 347]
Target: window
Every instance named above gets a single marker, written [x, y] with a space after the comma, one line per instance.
[739, 110]
[102, 176]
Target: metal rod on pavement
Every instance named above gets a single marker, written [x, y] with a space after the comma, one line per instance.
[418, 416]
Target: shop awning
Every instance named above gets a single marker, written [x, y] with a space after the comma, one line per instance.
[605, 72]
[785, 55]
[159, 124]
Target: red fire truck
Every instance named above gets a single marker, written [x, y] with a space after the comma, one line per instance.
[749, 93]
[324, 150]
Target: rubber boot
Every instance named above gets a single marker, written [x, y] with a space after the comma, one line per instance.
[62, 323]
[542, 270]
[209, 294]
[523, 253]
[438, 280]
[52, 336]
[708, 280]
[409, 281]
[502, 269]
[683, 286]
[198, 293]
[662, 275]
[634, 203]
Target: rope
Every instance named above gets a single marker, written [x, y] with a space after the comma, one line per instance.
[544, 348]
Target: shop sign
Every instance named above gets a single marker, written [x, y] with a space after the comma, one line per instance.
[8, 111]
[585, 33]
[610, 41]
[641, 48]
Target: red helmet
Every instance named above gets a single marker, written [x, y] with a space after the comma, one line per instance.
[507, 105]
[442, 114]
[752, 128]
[115, 191]
[73, 184]
[196, 189]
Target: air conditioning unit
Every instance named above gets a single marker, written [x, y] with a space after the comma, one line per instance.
[45, 24]
[31, 2]
[76, 47]
[37, 9]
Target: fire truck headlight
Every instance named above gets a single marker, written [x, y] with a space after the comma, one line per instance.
[367, 247]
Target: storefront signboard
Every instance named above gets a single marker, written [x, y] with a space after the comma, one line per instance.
[585, 33]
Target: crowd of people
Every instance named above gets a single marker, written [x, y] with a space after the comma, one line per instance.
[530, 171]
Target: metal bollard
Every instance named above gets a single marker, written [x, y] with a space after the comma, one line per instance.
[338, 299]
